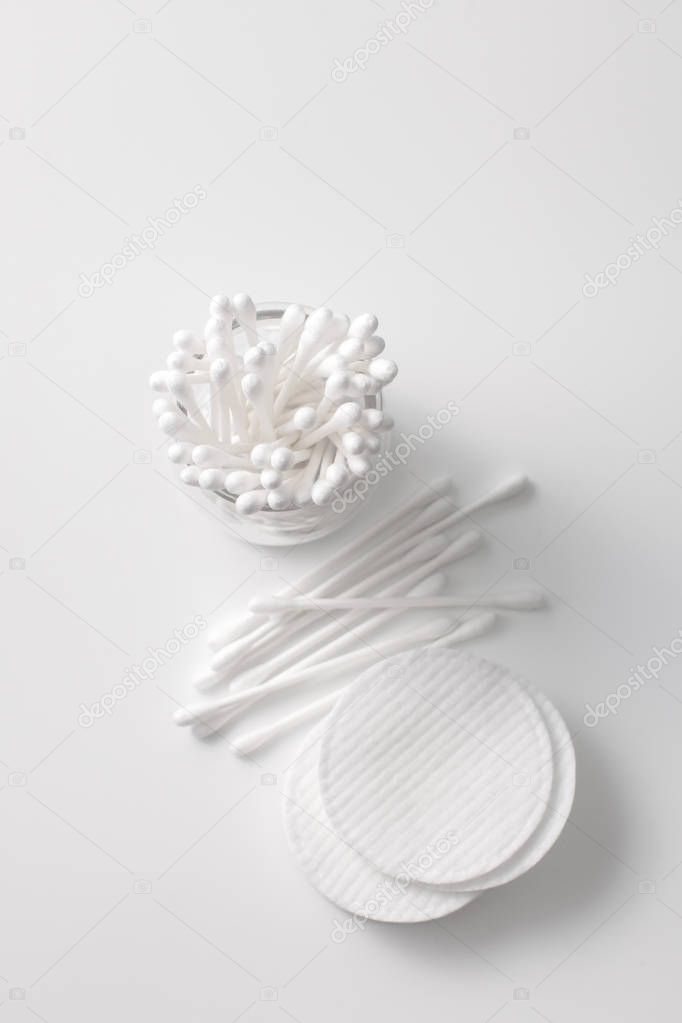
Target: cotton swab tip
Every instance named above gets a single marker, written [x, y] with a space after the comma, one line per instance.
[186, 341]
[251, 502]
[337, 475]
[260, 455]
[346, 415]
[252, 386]
[270, 479]
[521, 600]
[158, 382]
[282, 459]
[383, 370]
[322, 492]
[305, 418]
[212, 479]
[220, 305]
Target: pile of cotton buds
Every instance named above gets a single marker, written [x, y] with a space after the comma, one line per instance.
[277, 411]
[296, 637]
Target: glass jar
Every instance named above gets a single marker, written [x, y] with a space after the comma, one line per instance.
[294, 525]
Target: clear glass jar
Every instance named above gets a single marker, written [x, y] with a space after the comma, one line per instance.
[294, 525]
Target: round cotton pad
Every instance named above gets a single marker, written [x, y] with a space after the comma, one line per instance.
[338, 872]
[435, 753]
[560, 801]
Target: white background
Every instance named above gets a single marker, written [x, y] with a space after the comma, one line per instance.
[407, 189]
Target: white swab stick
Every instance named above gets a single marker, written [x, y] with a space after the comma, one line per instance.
[310, 341]
[435, 519]
[268, 370]
[344, 629]
[378, 563]
[221, 308]
[303, 490]
[337, 387]
[327, 457]
[323, 365]
[313, 646]
[241, 481]
[338, 473]
[515, 600]
[254, 358]
[351, 661]
[228, 396]
[254, 388]
[337, 635]
[219, 416]
[232, 657]
[305, 396]
[363, 326]
[471, 628]
[425, 560]
[373, 573]
[180, 428]
[184, 362]
[196, 377]
[509, 488]
[180, 452]
[427, 556]
[209, 457]
[246, 315]
[373, 347]
[423, 580]
[404, 515]
[181, 390]
[250, 741]
[343, 418]
[253, 740]
[290, 329]
[284, 458]
[187, 341]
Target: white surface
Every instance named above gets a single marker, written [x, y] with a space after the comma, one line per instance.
[435, 750]
[401, 190]
[336, 870]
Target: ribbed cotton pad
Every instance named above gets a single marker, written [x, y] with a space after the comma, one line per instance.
[336, 870]
[560, 802]
[435, 747]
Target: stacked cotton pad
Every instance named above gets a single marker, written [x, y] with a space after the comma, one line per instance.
[437, 775]
[275, 412]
